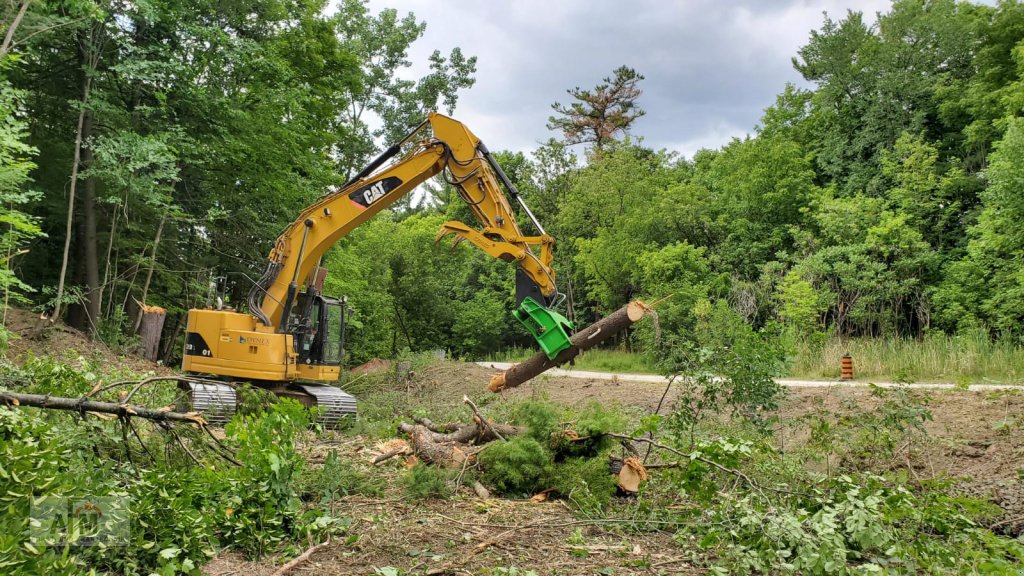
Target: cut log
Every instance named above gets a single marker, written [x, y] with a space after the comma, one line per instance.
[465, 434]
[631, 475]
[150, 330]
[446, 455]
[587, 338]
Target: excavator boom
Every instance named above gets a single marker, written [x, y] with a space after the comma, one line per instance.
[291, 335]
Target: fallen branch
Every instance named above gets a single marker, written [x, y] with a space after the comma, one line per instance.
[301, 558]
[480, 419]
[389, 455]
[695, 456]
[82, 405]
[584, 339]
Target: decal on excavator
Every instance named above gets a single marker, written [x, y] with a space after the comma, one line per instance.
[195, 345]
[366, 195]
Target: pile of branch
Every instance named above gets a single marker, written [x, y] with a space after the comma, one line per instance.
[449, 445]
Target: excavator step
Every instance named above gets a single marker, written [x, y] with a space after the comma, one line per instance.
[332, 404]
[549, 328]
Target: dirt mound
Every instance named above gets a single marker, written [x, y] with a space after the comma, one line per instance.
[33, 336]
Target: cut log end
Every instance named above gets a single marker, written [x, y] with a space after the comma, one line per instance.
[497, 382]
[636, 310]
[631, 475]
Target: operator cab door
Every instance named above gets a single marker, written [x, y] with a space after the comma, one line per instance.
[319, 339]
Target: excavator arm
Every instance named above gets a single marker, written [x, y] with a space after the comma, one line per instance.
[469, 166]
[293, 344]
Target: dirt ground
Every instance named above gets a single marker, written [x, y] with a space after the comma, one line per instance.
[467, 535]
[975, 436]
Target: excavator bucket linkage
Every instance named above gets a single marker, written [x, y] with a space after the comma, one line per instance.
[549, 328]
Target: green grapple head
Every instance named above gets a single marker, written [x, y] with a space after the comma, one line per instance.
[549, 328]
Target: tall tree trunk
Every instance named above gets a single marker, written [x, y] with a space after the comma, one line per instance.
[86, 85]
[107, 279]
[9, 37]
[92, 262]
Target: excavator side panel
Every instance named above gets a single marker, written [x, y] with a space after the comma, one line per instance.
[226, 343]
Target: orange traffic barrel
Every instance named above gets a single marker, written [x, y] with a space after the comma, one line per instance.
[847, 368]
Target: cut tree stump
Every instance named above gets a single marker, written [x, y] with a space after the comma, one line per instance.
[587, 338]
[150, 330]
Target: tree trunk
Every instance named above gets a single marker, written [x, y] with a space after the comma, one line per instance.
[92, 262]
[152, 265]
[150, 330]
[587, 338]
[82, 406]
[9, 37]
[86, 84]
[169, 344]
[107, 277]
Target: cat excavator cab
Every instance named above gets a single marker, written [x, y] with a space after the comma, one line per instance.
[291, 340]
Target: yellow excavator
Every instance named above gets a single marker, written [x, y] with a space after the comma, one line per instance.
[291, 340]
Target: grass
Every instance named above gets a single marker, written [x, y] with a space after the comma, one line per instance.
[970, 358]
[967, 358]
[594, 360]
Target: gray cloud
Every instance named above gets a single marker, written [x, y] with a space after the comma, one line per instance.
[711, 67]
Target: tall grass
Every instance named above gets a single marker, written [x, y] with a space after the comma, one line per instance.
[966, 358]
[594, 360]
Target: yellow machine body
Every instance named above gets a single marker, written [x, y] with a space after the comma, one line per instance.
[232, 344]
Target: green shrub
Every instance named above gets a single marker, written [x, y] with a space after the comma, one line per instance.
[517, 467]
[539, 417]
[423, 481]
[585, 482]
[591, 426]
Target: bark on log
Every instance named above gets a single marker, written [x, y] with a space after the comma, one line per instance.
[447, 455]
[80, 405]
[587, 338]
[150, 330]
[467, 434]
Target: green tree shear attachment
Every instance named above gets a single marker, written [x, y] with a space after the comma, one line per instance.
[549, 328]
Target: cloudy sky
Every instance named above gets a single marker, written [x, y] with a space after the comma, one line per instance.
[711, 67]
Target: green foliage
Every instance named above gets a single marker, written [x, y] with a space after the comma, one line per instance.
[423, 481]
[517, 467]
[174, 513]
[597, 115]
[18, 226]
[986, 286]
[336, 478]
[852, 525]
[585, 482]
[261, 493]
[541, 419]
[730, 368]
[590, 424]
[858, 437]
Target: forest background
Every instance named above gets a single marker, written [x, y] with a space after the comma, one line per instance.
[148, 148]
